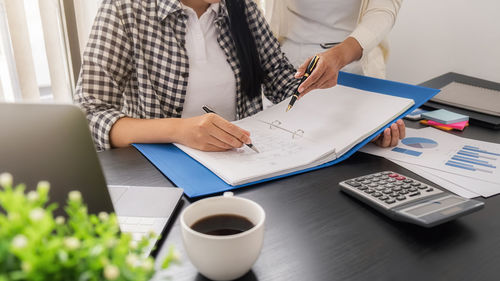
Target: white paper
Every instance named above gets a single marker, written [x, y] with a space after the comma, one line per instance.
[319, 128]
[432, 150]
[443, 182]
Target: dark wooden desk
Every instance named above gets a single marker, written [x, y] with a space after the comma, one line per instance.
[316, 232]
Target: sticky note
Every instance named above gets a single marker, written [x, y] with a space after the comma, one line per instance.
[444, 116]
[457, 126]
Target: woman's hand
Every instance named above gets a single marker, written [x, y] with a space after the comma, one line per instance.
[392, 135]
[330, 62]
[210, 132]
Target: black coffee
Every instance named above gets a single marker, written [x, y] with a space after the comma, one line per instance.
[222, 225]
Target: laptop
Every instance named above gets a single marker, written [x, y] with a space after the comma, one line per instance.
[52, 142]
[467, 95]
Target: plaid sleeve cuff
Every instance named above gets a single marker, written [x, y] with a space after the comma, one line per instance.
[100, 126]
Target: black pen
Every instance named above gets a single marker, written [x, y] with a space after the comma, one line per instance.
[309, 69]
[208, 110]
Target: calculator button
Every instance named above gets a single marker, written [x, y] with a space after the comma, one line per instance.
[373, 185]
[375, 180]
[406, 186]
[353, 183]
[390, 201]
[382, 182]
[407, 181]
[360, 179]
[391, 180]
[404, 191]
[401, 197]
[386, 173]
[377, 194]
[398, 183]
[366, 182]
[400, 178]
[380, 188]
[387, 191]
[362, 187]
[369, 190]
[397, 188]
[393, 175]
[389, 185]
[383, 198]
[378, 174]
[368, 177]
[415, 184]
[413, 189]
[394, 194]
[430, 189]
[414, 194]
[422, 186]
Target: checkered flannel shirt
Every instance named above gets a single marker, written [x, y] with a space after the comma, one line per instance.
[135, 63]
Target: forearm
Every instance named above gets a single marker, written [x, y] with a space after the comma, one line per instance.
[376, 22]
[350, 50]
[128, 130]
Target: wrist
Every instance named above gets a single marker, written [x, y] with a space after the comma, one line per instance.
[351, 51]
[173, 129]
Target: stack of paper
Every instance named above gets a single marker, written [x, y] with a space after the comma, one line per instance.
[467, 167]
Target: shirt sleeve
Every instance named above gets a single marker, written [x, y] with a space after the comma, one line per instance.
[105, 69]
[376, 21]
[279, 82]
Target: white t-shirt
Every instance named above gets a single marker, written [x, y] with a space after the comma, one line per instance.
[211, 80]
[321, 21]
[312, 22]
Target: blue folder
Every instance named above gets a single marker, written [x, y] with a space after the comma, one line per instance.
[197, 180]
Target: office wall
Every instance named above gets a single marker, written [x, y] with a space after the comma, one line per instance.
[432, 37]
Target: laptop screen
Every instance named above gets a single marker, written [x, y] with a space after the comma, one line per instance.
[52, 142]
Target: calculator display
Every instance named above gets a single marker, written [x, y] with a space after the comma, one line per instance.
[433, 206]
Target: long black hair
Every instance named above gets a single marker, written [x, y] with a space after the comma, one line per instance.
[252, 74]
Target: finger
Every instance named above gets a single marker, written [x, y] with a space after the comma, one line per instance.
[376, 138]
[314, 77]
[225, 137]
[230, 133]
[211, 147]
[218, 143]
[316, 85]
[402, 129]
[386, 139]
[394, 135]
[328, 83]
[302, 68]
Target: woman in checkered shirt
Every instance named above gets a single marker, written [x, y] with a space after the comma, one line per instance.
[150, 66]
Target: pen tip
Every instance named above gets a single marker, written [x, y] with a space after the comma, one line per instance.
[288, 108]
[253, 147]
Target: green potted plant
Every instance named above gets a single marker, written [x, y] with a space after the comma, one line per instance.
[35, 245]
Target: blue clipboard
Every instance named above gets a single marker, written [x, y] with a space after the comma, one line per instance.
[197, 180]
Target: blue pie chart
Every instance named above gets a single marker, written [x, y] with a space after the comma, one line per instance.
[419, 142]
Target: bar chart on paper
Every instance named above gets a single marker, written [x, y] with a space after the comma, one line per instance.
[464, 166]
[473, 158]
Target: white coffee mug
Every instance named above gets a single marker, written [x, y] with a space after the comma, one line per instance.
[223, 257]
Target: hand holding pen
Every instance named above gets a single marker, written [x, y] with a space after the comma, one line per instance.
[308, 71]
[250, 145]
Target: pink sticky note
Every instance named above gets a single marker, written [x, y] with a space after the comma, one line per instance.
[458, 126]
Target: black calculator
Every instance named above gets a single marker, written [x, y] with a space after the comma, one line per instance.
[406, 199]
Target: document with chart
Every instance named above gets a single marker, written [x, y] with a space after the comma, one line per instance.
[322, 126]
[434, 149]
